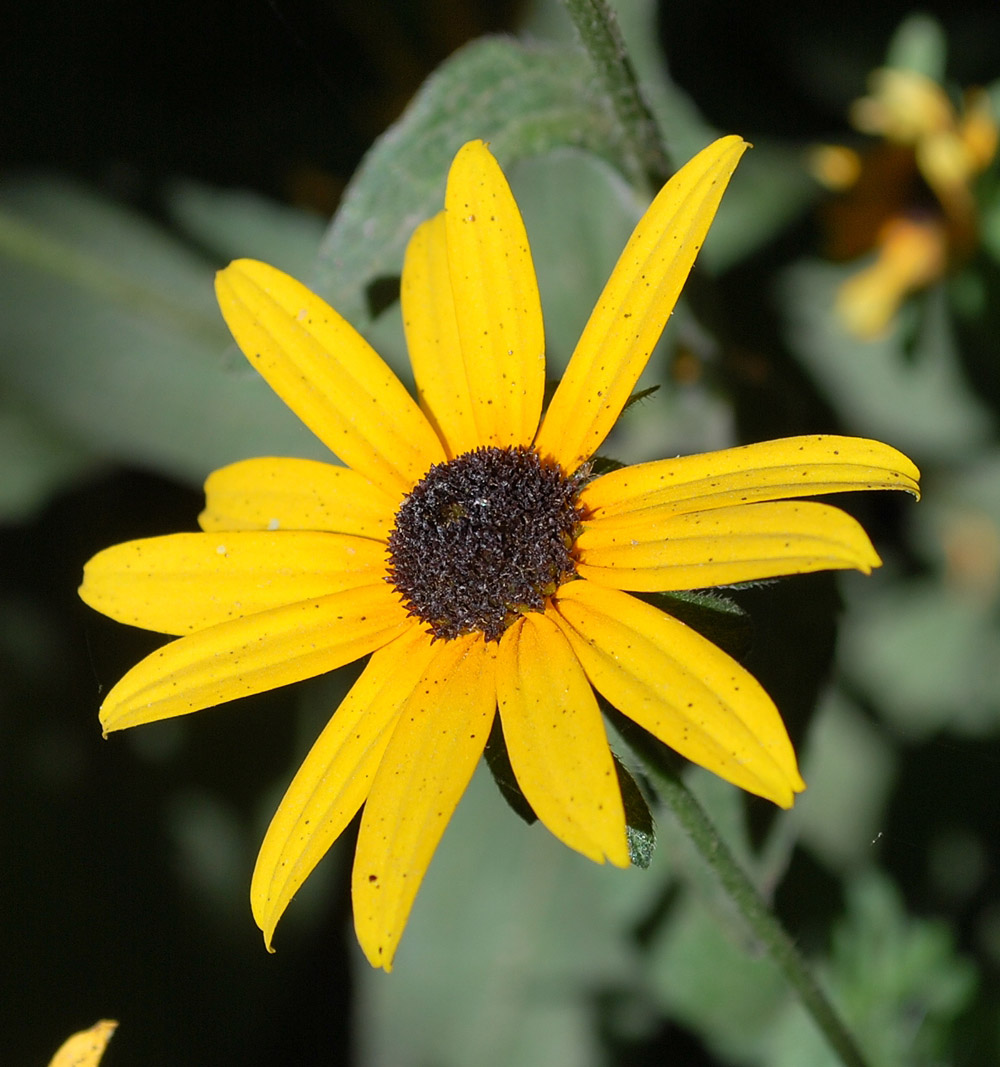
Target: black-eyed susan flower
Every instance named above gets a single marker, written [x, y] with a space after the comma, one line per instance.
[910, 199]
[466, 549]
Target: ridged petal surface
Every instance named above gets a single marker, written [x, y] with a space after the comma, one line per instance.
[437, 742]
[295, 494]
[556, 740]
[328, 374]
[634, 307]
[254, 654]
[497, 307]
[770, 470]
[722, 546]
[181, 583]
[680, 687]
[433, 341]
[334, 779]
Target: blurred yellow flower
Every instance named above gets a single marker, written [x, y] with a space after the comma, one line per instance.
[466, 547]
[909, 199]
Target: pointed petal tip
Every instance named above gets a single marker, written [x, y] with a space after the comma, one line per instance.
[724, 153]
[785, 798]
[634, 306]
[266, 923]
[476, 147]
[873, 564]
[237, 266]
[107, 724]
[381, 957]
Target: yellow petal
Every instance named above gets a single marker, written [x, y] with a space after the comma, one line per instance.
[254, 654]
[433, 340]
[295, 494]
[181, 583]
[911, 254]
[438, 740]
[903, 106]
[681, 688]
[334, 779]
[722, 546]
[771, 470]
[556, 741]
[634, 307]
[85, 1048]
[328, 375]
[979, 130]
[496, 301]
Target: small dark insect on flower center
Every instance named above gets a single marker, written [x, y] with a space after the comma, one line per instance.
[484, 538]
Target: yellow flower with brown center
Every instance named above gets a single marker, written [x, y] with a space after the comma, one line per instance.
[466, 549]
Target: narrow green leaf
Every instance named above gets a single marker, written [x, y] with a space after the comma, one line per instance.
[232, 223]
[110, 332]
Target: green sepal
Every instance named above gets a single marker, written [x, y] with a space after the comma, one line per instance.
[638, 396]
[503, 774]
[639, 826]
[604, 465]
[711, 614]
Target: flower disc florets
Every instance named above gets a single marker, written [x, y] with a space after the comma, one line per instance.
[483, 538]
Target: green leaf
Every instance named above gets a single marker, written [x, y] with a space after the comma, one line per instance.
[928, 649]
[110, 331]
[840, 826]
[523, 99]
[771, 187]
[928, 656]
[36, 460]
[510, 937]
[233, 223]
[706, 968]
[769, 191]
[710, 977]
[957, 526]
[919, 401]
[919, 44]
[898, 980]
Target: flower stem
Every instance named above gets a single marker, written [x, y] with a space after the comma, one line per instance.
[658, 761]
[597, 26]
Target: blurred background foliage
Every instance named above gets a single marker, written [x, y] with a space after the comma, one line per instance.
[146, 145]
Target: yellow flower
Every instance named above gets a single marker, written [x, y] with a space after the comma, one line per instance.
[910, 199]
[466, 548]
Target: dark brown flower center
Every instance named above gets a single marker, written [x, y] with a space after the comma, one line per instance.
[483, 538]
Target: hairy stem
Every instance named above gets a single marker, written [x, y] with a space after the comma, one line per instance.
[597, 26]
[660, 764]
